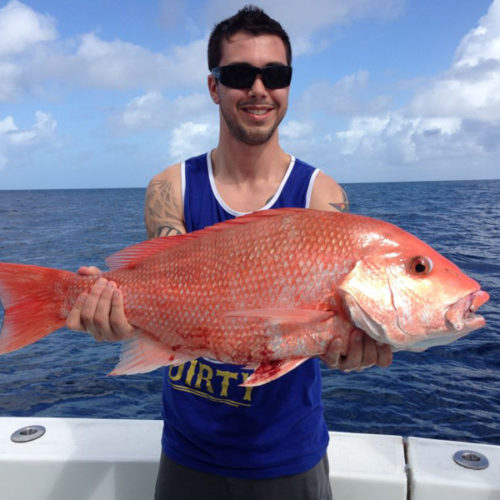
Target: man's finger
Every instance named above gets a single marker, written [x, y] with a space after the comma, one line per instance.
[384, 355]
[370, 353]
[102, 312]
[121, 327]
[354, 357]
[89, 271]
[89, 308]
[73, 320]
[332, 356]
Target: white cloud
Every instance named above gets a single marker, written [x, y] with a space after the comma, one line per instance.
[471, 88]
[293, 130]
[22, 27]
[398, 139]
[44, 125]
[9, 75]
[32, 58]
[482, 43]
[344, 97]
[22, 30]
[153, 110]
[122, 65]
[146, 111]
[16, 142]
[204, 135]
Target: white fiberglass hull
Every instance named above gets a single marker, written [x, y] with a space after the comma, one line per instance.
[95, 459]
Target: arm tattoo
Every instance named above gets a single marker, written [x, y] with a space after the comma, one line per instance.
[166, 230]
[161, 208]
[343, 206]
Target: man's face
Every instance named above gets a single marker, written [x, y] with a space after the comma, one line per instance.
[251, 115]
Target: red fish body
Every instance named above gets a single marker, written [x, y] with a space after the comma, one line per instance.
[268, 291]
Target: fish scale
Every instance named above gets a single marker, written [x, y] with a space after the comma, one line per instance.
[267, 290]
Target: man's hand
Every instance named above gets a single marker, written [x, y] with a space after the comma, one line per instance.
[361, 352]
[100, 312]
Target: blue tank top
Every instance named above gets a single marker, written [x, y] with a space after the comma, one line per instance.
[210, 423]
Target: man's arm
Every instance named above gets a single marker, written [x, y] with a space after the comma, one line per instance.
[328, 195]
[361, 350]
[163, 213]
[101, 311]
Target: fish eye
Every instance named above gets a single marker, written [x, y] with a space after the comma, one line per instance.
[421, 266]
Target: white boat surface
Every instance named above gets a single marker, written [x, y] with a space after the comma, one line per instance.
[100, 459]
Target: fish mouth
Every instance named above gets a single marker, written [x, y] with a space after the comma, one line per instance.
[461, 316]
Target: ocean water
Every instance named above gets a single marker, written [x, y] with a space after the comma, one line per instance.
[448, 392]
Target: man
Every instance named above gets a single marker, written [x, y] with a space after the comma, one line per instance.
[221, 440]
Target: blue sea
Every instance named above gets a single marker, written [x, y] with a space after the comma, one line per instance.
[448, 392]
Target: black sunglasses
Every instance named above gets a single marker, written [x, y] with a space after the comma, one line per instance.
[242, 76]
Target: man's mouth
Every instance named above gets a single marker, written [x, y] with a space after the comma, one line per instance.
[257, 110]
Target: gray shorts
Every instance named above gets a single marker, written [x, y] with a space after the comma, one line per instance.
[176, 482]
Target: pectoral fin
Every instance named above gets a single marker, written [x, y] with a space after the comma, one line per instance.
[282, 316]
[145, 354]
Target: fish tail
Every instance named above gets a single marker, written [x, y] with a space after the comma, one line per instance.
[32, 311]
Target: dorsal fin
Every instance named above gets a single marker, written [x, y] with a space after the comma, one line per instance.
[129, 257]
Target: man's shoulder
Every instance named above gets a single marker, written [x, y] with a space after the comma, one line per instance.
[163, 211]
[171, 174]
[327, 194]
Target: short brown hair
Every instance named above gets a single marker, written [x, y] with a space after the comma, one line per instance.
[250, 19]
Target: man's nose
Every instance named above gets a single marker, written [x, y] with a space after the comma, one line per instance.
[258, 87]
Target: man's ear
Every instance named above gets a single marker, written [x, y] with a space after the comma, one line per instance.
[212, 88]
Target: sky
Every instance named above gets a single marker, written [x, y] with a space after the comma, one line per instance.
[103, 93]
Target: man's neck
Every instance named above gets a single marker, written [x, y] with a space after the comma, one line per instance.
[240, 163]
[246, 176]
